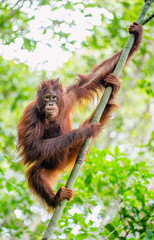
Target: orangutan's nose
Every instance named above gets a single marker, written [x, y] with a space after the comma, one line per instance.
[50, 104]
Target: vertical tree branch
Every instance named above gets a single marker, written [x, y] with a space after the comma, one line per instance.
[100, 108]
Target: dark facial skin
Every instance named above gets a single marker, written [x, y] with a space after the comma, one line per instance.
[51, 105]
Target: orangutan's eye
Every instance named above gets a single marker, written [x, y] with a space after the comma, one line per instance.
[47, 97]
[54, 97]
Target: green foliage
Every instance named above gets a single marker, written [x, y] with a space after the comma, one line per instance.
[13, 21]
[112, 199]
[112, 195]
[16, 82]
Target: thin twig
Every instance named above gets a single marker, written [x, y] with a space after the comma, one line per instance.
[147, 19]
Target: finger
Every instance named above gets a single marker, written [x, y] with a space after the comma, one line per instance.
[136, 23]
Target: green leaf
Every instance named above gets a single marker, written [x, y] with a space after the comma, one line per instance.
[88, 179]
[29, 44]
[116, 150]
[112, 229]
[8, 186]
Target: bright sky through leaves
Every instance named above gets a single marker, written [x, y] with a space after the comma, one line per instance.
[48, 54]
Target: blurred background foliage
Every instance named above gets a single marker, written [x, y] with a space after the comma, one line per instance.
[114, 196]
